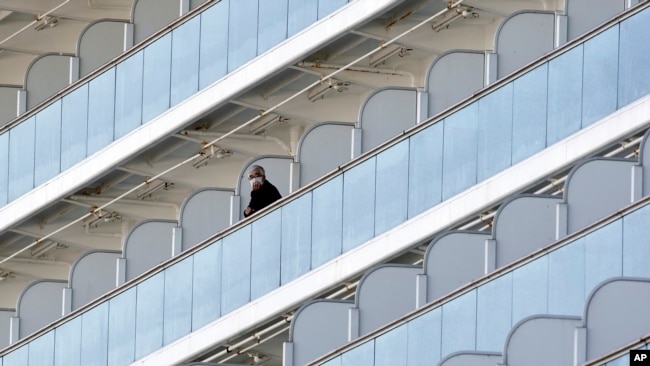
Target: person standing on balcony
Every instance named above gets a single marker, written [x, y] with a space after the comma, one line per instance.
[263, 193]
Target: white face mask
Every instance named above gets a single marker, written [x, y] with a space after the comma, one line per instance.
[256, 179]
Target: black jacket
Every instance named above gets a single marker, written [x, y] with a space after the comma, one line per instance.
[263, 197]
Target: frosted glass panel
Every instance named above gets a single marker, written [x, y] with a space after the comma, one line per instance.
[424, 338]
[236, 270]
[459, 324]
[494, 313]
[41, 350]
[149, 315]
[67, 343]
[460, 149]
[530, 289]
[603, 255]
[19, 357]
[128, 94]
[157, 78]
[358, 204]
[302, 13]
[94, 335]
[242, 32]
[101, 111]
[272, 25]
[564, 95]
[48, 143]
[325, 7]
[391, 348]
[636, 250]
[392, 187]
[4, 167]
[121, 328]
[21, 158]
[601, 76]
[74, 136]
[529, 113]
[425, 169]
[206, 284]
[265, 256]
[566, 267]
[327, 219]
[296, 238]
[634, 56]
[363, 355]
[185, 60]
[214, 39]
[178, 310]
[494, 132]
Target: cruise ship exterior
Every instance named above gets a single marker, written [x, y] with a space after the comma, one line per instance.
[463, 182]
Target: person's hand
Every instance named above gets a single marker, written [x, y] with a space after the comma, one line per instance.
[256, 185]
[248, 211]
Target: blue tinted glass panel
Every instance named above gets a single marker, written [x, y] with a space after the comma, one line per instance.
[327, 221]
[460, 148]
[494, 132]
[74, 136]
[425, 169]
[530, 289]
[332, 362]
[157, 78]
[273, 24]
[634, 56]
[206, 301]
[242, 33]
[21, 158]
[128, 94]
[566, 287]
[302, 13]
[529, 113]
[603, 255]
[296, 238]
[94, 336]
[178, 310]
[41, 350]
[391, 347]
[494, 313]
[19, 357]
[459, 324]
[48, 143]
[564, 95]
[326, 7]
[621, 361]
[636, 250]
[121, 328]
[265, 258]
[236, 270]
[4, 166]
[424, 338]
[185, 60]
[101, 111]
[67, 343]
[392, 187]
[214, 39]
[149, 315]
[358, 204]
[363, 355]
[600, 76]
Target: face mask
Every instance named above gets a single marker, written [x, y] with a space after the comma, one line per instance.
[256, 179]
